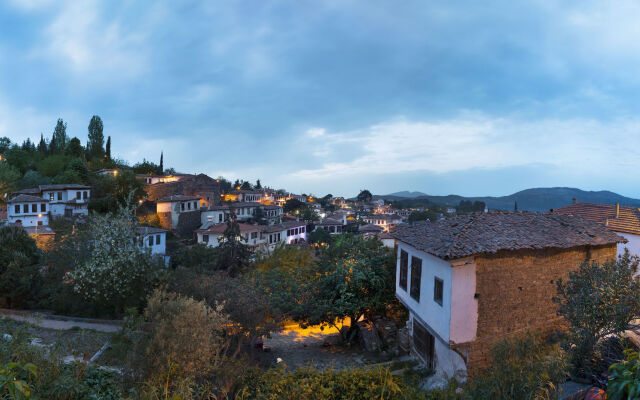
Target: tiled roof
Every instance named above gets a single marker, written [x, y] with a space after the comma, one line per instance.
[329, 221]
[28, 191]
[627, 220]
[149, 230]
[220, 228]
[177, 197]
[283, 226]
[484, 233]
[370, 228]
[64, 186]
[25, 198]
[272, 207]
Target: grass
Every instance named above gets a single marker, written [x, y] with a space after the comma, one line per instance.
[78, 342]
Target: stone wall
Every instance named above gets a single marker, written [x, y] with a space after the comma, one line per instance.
[165, 220]
[514, 291]
[198, 185]
[187, 223]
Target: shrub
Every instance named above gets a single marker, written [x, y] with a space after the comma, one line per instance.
[526, 368]
[597, 300]
[624, 381]
[185, 336]
[20, 278]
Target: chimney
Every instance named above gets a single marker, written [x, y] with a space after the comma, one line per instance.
[575, 200]
[617, 210]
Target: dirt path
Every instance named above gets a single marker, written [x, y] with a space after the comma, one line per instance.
[312, 346]
[59, 324]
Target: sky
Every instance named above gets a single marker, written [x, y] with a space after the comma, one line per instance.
[471, 98]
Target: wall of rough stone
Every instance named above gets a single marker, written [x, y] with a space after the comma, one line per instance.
[514, 291]
[187, 223]
[199, 185]
[165, 220]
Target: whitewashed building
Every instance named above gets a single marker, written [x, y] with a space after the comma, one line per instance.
[385, 221]
[67, 200]
[170, 208]
[28, 211]
[153, 238]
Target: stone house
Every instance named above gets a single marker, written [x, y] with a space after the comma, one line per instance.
[333, 226]
[385, 221]
[471, 280]
[202, 186]
[623, 220]
[177, 210]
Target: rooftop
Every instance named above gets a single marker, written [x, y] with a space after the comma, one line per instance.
[220, 228]
[149, 230]
[329, 221]
[488, 233]
[370, 228]
[177, 197]
[627, 220]
[25, 198]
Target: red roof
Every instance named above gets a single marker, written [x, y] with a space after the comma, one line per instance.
[617, 218]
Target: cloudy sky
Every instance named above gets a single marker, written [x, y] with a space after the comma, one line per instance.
[473, 98]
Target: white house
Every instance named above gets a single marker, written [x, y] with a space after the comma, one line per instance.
[27, 210]
[153, 238]
[169, 209]
[213, 234]
[219, 214]
[385, 221]
[67, 200]
[273, 214]
[330, 225]
[288, 232]
[471, 280]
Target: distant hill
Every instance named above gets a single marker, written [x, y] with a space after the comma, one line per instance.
[538, 199]
[406, 193]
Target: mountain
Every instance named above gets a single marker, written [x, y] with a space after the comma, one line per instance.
[538, 199]
[405, 193]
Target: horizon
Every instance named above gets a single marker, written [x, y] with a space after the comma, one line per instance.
[335, 97]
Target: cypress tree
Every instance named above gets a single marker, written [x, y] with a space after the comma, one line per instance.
[42, 146]
[108, 148]
[96, 137]
[161, 163]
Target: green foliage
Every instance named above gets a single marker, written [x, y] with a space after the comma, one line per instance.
[96, 138]
[624, 378]
[527, 369]
[33, 179]
[309, 383]
[598, 300]
[13, 382]
[75, 149]
[233, 255]
[53, 165]
[364, 196]
[199, 257]
[319, 236]
[59, 140]
[9, 176]
[118, 272]
[147, 167]
[109, 193]
[20, 277]
[418, 216]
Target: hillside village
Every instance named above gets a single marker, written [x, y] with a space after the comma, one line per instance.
[294, 280]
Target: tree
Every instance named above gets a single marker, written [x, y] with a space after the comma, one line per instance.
[246, 185]
[233, 255]
[9, 176]
[80, 167]
[319, 236]
[309, 215]
[108, 150]
[258, 185]
[20, 278]
[42, 145]
[53, 165]
[96, 138]
[515, 206]
[146, 167]
[109, 192]
[33, 179]
[417, 216]
[74, 148]
[364, 196]
[161, 168]
[598, 300]
[5, 144]
[59, 139]
[292, 205]
[119, 272]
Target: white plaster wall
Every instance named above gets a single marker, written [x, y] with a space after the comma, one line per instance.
[160, 248]
[633, 245]
[464, 307]
[215, 214]
[164, 207]
[213, 239]
[437, 316]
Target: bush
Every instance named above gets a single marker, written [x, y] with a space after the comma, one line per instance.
[624, 381]
[597, 300]
[526, 368]
[20, 278]
[186, 336]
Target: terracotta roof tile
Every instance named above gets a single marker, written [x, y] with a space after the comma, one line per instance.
[484, 233]
[626, 221]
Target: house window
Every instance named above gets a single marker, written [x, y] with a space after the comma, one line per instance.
[438, 290]
[303, 229]
[151, 240]
[43, 207]
[51, 196]
[416, 276]
[219, 217]
[205, 238]
[85, 195]
[182, 206]
[195, 205]
[404, 267]
[210, 218]
[157, 239]
[424, 343]
[189, 206]
[59, 196]
[78, 195]
[34, 207]
[17, 207]
[39, 223]
[254, 235]
[25, 208]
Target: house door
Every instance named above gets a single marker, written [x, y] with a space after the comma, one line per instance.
[424, 343]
